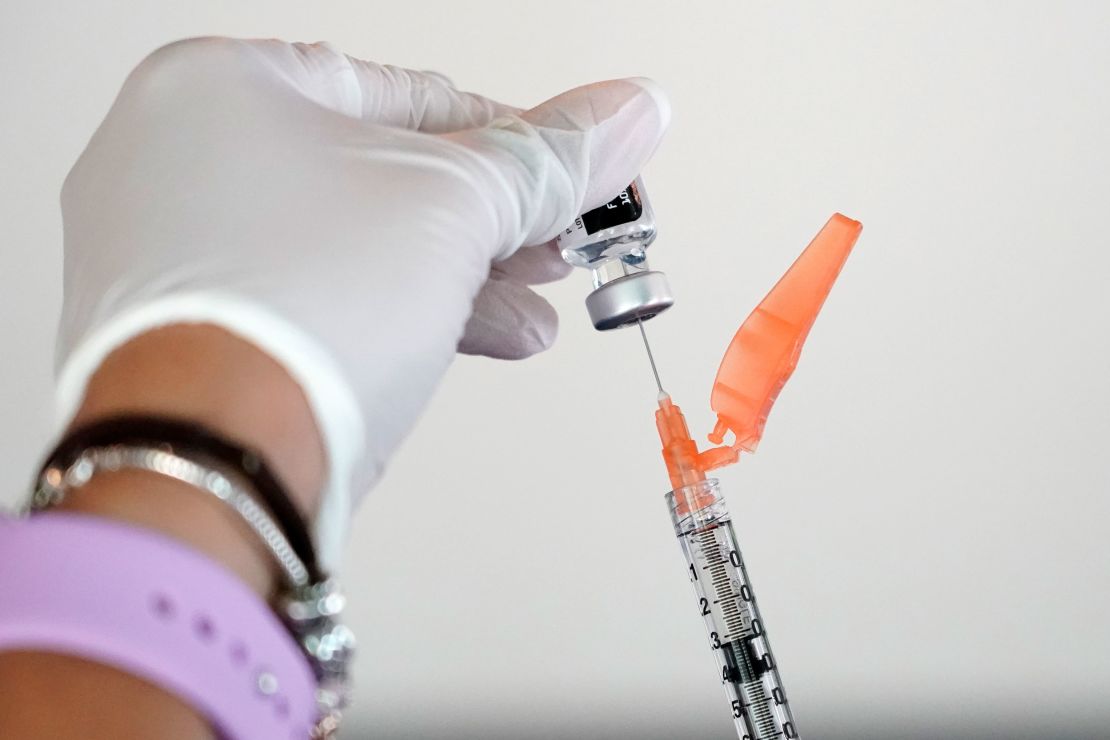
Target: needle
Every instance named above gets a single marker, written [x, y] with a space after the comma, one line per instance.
[651, 358]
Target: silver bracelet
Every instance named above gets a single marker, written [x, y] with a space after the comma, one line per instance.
[55, 483]
[309, 610]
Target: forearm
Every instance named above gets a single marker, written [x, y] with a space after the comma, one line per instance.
[205, 375]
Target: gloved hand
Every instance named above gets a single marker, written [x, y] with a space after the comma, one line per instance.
[343, 216]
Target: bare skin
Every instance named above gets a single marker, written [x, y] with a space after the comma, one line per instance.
[203, 374]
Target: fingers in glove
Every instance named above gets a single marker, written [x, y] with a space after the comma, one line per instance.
[534, 265]
[615, 126]
[567, 155]
[380, 94]
[509, 322]
[423, 101]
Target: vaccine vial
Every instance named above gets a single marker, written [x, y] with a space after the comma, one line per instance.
[612, 241]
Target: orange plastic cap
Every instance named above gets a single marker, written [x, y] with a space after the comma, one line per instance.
[765, 350]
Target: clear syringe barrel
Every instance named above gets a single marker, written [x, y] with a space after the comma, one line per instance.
[737, 633]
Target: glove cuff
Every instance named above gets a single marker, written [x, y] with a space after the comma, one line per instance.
[333, 402]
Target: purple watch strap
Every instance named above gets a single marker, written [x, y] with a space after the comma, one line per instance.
[153, 607]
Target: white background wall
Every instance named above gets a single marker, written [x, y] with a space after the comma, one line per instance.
[926, 522]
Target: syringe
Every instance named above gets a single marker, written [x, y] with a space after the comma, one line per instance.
[737, 632]
[758, 362]
[725, 600]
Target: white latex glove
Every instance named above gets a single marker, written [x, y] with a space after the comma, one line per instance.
[343, 216]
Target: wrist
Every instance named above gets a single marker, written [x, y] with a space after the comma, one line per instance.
[205, 375]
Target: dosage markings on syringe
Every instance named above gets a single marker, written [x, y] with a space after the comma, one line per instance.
[759, 707]
[730, 602]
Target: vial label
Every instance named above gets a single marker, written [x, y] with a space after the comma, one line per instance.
[624, 209]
